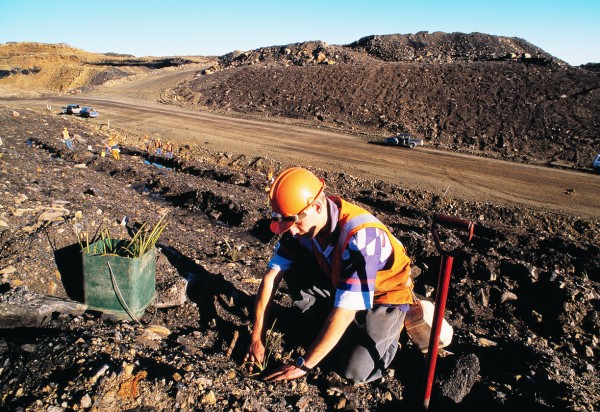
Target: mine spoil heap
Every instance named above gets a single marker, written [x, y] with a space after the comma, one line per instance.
[475, 93]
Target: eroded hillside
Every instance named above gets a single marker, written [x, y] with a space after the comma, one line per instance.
[33, 68]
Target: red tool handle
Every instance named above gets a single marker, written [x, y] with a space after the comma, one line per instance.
[453, 221]
[436, 328]
[441, 296]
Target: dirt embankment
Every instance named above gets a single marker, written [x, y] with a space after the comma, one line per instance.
[537, 114]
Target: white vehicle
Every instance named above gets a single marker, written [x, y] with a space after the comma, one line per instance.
[71, 109]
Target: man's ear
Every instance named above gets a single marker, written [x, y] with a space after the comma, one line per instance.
[319, 205]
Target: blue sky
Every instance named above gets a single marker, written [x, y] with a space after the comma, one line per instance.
[567, 29]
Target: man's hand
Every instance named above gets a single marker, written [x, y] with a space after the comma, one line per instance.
[285, 373]
[255, 355]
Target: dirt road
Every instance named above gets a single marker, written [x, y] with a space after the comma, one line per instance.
[132, 106]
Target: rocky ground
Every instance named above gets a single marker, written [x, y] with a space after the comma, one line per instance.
[523, 299]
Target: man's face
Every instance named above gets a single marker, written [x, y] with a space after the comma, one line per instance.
[307, 226]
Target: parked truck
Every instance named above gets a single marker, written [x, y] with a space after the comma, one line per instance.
[596, 164]
[403, 139]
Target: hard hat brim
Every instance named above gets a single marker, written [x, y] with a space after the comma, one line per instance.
[280, 227]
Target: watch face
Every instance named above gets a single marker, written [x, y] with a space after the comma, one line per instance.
[300, 362]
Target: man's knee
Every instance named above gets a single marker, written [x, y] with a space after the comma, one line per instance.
[354, 375]
[360, 374]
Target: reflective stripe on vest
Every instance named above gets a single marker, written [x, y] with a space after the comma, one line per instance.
[352, 224]
[392, 285]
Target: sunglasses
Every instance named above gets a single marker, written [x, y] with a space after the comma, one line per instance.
[276, 217]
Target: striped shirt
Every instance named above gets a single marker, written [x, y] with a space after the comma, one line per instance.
[366, 253]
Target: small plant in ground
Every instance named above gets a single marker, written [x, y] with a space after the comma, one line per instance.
[272, 342]
[234, 252]
[270, 180]
[585, 276]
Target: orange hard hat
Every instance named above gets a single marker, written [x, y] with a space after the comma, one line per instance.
[292, 192]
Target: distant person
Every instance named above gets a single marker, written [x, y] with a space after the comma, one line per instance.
[158, 146]
[67, 138]
[106, 149]
[357, 290]
[169, 150]
[147, 144]
[114, 148]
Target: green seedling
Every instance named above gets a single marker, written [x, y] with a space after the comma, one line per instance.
[103, 244]
[144, 240]
[272, 342]
[234, 252]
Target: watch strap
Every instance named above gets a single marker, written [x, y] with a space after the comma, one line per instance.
[301, 365]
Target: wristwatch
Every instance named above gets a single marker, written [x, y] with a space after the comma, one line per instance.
[301, 365]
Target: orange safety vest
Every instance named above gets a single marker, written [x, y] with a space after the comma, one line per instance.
[393, 284]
